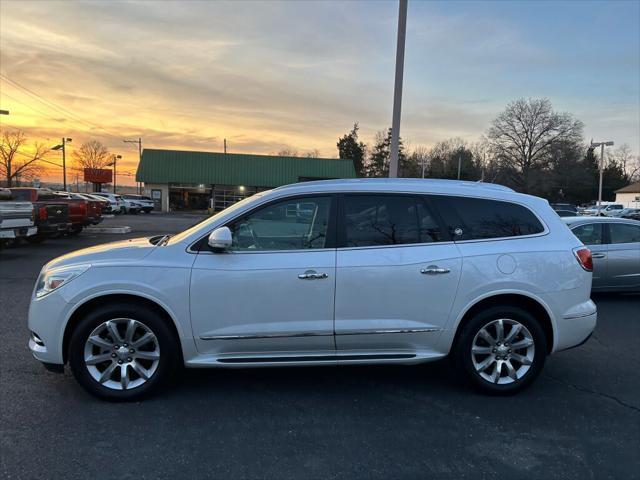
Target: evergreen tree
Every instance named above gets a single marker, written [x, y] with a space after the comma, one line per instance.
[349, 147]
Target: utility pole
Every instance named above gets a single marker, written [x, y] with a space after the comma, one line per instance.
[62, 146]
[225, 146]
[459, 164]
[139, 142]
[601, 145]
[397, 94]
[115, 158]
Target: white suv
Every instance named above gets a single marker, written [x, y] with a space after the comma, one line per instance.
[325, 273]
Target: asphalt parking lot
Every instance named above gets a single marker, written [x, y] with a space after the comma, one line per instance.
[581, 419]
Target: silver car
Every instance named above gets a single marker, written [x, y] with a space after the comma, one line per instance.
[615, 248]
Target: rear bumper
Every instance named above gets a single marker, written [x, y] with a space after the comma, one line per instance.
[574, 331]
[18, 232]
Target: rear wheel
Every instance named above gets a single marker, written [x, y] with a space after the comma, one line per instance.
[501, 350]
[75, 230]
[122, 352]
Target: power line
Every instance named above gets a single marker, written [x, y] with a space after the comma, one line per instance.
[55, 106]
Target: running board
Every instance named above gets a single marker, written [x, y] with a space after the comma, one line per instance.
[325, 358]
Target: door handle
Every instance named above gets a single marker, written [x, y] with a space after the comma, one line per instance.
[434, 270]
[312, 275]
[598, 255]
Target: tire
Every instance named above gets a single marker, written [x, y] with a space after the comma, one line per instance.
[526, 362]
[75, 230]
[37, 238]
[160, 354]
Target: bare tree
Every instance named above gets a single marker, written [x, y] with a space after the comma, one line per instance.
[17, 159]
[623, 156]
[92, 154]
[526, 132]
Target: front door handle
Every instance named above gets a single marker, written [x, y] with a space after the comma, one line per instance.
[312, 275]
[598, 255]
[434, 270]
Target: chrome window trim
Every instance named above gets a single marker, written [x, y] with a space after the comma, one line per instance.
[545, 231]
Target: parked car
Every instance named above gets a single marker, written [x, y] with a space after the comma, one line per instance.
[146, 204]
[633, 214]
[16, 218]
[118, 205]
[51, 216]
[105, 204]
[94, 207]
[564, 207]
[605, 209]
[615, 247]
[373, 271]
[566, 213]
[132, 206]
[627, 213]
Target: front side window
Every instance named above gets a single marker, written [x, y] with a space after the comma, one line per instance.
[294, 224]
[623, 233]
[590, 234]
[478, 218]
[380, 220]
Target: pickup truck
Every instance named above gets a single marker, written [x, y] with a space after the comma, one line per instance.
[94, 208]
[51, 216]
[16, 218]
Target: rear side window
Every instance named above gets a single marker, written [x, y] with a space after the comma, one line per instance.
[381, 220]
[623, 233]
[478, 218]
[590, 234]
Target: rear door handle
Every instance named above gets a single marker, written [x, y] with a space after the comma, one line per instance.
[598, 255]
[434, 270]
[312, 275]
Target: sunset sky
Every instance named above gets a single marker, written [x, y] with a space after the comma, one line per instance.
[269, 76]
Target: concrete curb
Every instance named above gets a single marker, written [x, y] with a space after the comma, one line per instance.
[124, 229]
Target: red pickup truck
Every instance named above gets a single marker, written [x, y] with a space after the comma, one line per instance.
[82, 212]
[51, 216]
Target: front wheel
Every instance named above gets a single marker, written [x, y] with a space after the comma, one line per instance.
[122, 352]
[501, 350]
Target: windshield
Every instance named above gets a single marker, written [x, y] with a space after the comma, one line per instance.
[202, 225]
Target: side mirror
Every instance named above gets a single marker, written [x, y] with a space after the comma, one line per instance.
[220, 238]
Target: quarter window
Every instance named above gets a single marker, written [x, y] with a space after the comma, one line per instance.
[380, 220]
[478, 218]
[623, 233]
[589, 234]
[293, 224]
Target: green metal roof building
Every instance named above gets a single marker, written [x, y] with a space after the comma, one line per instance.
[186, 180]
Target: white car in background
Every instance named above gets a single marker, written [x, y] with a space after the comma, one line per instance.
[368, 271]
[606, 209]
[146, 204]
[118, 204]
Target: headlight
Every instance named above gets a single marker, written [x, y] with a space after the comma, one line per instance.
[50, 280]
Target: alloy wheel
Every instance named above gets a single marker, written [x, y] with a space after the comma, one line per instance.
[502, 351]
[122, 353]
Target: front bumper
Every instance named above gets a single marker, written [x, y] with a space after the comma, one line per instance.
[46, 322]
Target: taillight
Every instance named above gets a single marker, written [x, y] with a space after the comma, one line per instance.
[583, 255]
[42, 213]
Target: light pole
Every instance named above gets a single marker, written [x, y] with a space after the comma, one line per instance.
[61, 146]
[115, 158]
[397, 93]
[601, 145]
[139, 142]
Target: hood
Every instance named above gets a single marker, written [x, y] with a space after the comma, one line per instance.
[124, 250]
